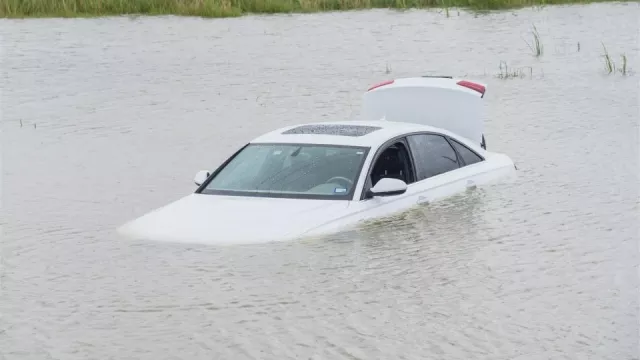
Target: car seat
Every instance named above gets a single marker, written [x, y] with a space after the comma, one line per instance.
[389, 165]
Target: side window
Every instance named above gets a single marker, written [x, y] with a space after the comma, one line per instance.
[432, 154]
[393, 162]
[468, 156]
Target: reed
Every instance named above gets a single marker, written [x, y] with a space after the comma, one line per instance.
[507, 72]
[536, 46]
[609, 64]
[227, 8]
[623, 69]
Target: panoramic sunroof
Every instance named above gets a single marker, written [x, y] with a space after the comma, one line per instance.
[340, 130]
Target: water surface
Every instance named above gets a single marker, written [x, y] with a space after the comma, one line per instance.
[105, 119]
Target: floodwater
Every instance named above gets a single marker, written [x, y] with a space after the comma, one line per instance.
[105, 119]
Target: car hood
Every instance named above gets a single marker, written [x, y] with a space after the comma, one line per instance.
[225, 220]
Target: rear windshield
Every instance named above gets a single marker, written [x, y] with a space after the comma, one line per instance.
[291, 171]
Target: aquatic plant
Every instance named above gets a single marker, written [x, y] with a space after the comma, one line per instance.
[512, 73]
[623, 69]
[609, 64]
[536, 47]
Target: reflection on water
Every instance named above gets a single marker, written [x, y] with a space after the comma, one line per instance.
[118, 114]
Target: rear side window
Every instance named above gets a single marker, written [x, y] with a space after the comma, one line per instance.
[432, 154]
[468, 156]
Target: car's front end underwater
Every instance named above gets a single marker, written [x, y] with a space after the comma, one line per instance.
[227, 220]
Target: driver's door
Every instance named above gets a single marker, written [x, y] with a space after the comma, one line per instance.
[382, 205]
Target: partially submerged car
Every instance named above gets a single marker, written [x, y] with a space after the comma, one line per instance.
[425, 143]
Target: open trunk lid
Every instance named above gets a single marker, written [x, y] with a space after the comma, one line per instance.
[439, 101]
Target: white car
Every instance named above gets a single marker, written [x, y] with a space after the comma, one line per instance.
[311, 179]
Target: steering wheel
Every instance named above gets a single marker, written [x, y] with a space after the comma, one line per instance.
[349, 182]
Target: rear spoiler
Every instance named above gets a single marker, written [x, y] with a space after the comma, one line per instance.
[473, 86]
[464, 83]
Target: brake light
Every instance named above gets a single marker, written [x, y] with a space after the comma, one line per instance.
[381, 84]
[473, 86]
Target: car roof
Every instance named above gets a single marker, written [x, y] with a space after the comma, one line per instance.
[350, 132]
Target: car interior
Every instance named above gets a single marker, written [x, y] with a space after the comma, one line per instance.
[393, 162]
[311, 171]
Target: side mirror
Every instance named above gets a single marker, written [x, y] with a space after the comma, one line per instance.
[201, 177]
[388, 187]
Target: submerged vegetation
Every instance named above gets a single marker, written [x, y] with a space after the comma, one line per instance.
[229, 8]
[507, 72]
[536, 47]
[610, 65]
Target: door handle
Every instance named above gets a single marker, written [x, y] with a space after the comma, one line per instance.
[422, 200]
[471, 184]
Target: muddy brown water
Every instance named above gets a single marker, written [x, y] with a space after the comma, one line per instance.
[105, 119]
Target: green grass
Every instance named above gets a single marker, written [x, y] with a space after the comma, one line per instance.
[229, 8]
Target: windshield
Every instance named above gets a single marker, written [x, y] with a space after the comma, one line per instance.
[305, 171]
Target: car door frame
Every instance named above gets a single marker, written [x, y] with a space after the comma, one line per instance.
[448, 139]
[412, 159]
[366, 186]
[451, 139]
